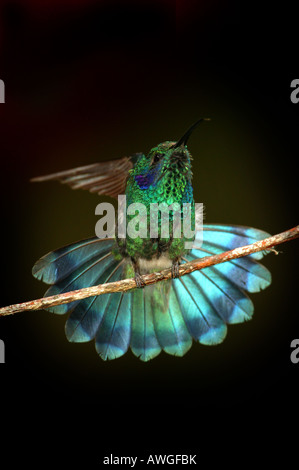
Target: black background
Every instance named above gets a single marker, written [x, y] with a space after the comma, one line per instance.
[90, 81]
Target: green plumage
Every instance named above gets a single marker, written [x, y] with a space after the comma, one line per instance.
[168, 315]
[164, 176]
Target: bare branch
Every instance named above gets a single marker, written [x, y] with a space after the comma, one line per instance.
[128, 284]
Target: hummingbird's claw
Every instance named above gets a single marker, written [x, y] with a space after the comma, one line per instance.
[175, 272]
[139, 281]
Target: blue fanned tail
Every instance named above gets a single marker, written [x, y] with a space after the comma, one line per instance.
[166, 316]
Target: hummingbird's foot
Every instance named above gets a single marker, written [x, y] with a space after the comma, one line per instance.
[139, 281]
[175, 273]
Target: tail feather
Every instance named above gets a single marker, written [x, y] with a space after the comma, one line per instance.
[144, 342]
[59, 264]
[201, 318]
[246, 273]
[228, 237]
[165, 316]
[85, 318]
[114, 332]
[230, 303]
[85, 275]
[171, 329]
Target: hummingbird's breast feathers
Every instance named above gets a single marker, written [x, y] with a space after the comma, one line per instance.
[157, 263]
[163, 175]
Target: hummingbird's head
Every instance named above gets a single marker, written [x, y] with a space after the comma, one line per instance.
[165, 172]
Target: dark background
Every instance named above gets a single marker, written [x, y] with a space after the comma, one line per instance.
[96, 80]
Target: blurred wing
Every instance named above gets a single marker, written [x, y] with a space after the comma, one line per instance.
[107, 178]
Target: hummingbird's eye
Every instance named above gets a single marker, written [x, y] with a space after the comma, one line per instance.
[156, 158]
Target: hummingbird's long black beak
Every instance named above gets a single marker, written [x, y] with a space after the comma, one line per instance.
[183, 140]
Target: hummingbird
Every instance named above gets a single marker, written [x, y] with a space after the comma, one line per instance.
[169, 315]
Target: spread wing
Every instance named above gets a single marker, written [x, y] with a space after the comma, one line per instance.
[107, 178]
